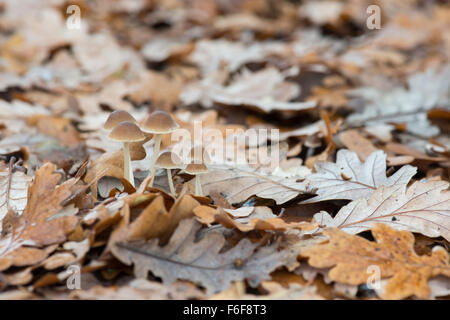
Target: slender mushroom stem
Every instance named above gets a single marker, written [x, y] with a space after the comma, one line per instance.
[127, 169]
[155, 157]
[171, 186]
[198, 186]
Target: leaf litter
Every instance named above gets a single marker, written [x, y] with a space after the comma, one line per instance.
[356, 178]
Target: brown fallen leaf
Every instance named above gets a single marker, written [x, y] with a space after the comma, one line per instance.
[422, 208]
[273, 290]
[237, 184]
[140, 289]
[351, 179]
[356, 142]
[260, 218]
[201, 262]
[111, 164]
[350, 257]
[155, 220]
[23, 235]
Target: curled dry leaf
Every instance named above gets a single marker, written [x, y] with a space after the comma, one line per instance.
[351, 179]
[274, 291]
[13, 192]
[352, 257]
[155, 220]
[265, 90]
[422, 208]
[425, 91]
[237, 184]
[202, 262]
[261, 218]
[23, 235]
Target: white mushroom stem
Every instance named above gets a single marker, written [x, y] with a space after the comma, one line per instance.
[198, 186]
[155, 157]
[127, 169]
[171, 186]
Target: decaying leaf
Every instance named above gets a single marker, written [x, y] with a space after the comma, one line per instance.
[351, 179]
[352, 258]
[202, 262]
[23, 235]
[423, 208]
[265, 90]
[425, 91]
[13, 192]
[260, 218]
[237, 185]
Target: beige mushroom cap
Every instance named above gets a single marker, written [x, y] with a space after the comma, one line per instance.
[195, 168]
[126, 132]
[169, 160]
[159, 122]
[117, 117]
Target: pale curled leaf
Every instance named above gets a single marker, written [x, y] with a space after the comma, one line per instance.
[265, 90]
[13, 192]
[351, 179]
[237, 184]
[202, 262]
[23, 236]
[351, 257]
[424, 208]
[409, 106]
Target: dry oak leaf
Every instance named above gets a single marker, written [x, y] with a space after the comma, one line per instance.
[426, 90]
[13, 192]
[351, 179]
[201, 262]
[351, 256]
[260, 218]
[424, 208]
[155, 220]
[237, 184]
[111, 164]
[264, 90]
[23, 235]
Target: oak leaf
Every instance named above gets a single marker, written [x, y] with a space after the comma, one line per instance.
[260, 218]
[351, 179]
[422, 208]
[237, 184]
[352, 257]
[13, 192]
[22, 236]
[202, 262]
[425, 91]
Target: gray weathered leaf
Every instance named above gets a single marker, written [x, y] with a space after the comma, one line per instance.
[13, 192]
[351, 179]
[425, 91]
[424, 208]
[202, 262]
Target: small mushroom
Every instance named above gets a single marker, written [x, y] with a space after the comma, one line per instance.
[196, 169]
[169, 160]
[158, 123]
[127, 132]
[117, 117]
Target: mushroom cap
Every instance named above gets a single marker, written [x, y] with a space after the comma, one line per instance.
[194, 168]
[126, 132]
[169, 160]
[159, 122]
[117, 117]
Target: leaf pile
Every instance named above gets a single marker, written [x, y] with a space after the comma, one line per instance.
[343, 195]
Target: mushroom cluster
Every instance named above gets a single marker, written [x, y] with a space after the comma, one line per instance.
[124, 128]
